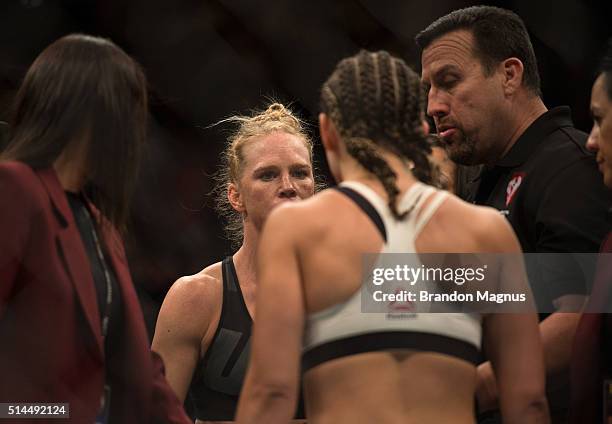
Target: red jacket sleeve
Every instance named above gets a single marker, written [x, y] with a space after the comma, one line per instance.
[166, 407]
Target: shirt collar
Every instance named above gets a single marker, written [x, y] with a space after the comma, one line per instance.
[534, 134]
[528, 141]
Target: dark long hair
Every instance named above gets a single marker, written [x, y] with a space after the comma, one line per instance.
[84, 89]
[605, 68]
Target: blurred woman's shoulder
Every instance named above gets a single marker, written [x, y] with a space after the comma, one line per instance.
[486, 227]
[21, 185]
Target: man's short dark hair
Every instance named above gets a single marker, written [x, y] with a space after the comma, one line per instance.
[606, 69]
[498, 33]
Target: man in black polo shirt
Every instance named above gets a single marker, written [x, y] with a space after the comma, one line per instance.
[484, 96]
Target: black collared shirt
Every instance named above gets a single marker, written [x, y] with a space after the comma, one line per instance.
[550, 190]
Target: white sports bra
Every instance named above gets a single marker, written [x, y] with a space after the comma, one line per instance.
[343, 329]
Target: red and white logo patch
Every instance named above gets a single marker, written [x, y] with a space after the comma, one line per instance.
[401, 306]
[513, 186]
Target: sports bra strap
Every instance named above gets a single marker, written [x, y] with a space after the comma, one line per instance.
[426, 213]
[366, 207]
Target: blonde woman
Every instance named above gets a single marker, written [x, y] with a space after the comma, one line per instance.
[204, 326]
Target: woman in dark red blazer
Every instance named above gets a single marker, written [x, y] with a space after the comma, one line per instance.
[71, 328]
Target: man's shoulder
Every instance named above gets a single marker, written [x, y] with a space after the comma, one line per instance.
[561, 148]
[561, 155]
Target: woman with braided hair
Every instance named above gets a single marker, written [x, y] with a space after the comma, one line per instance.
[369, 367]
[204, 326]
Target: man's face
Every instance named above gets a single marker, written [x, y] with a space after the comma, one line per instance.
[466, 105]
[600, 139]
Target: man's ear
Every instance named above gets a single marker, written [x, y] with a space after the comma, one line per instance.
[512, 72]
[235, 198]
[329, 134]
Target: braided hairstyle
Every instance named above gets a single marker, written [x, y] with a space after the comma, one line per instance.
[376, 101]
[275, 118]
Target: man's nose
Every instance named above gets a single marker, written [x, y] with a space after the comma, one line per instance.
[437, 106]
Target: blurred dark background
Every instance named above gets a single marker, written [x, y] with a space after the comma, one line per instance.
[208, 59]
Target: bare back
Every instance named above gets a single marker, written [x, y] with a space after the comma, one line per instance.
[389, 386]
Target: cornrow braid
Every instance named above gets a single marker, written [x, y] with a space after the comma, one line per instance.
[370, 92]
[350, 93]
[416, 148]
[388, 116]
[366, 153]
[377, 101]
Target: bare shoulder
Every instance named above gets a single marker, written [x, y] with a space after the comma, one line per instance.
[304, 216]
[195, 291]
[192, 301]
[488, 229]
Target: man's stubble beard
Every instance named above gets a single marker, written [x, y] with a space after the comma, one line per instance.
[463, 152]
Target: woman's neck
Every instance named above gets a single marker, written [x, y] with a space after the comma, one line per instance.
[70, 169]
[245, 259]
[353, 171]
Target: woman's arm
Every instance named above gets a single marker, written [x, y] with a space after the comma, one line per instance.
[512, 340]
[515, 351]
[270, 392]
[183, 320]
